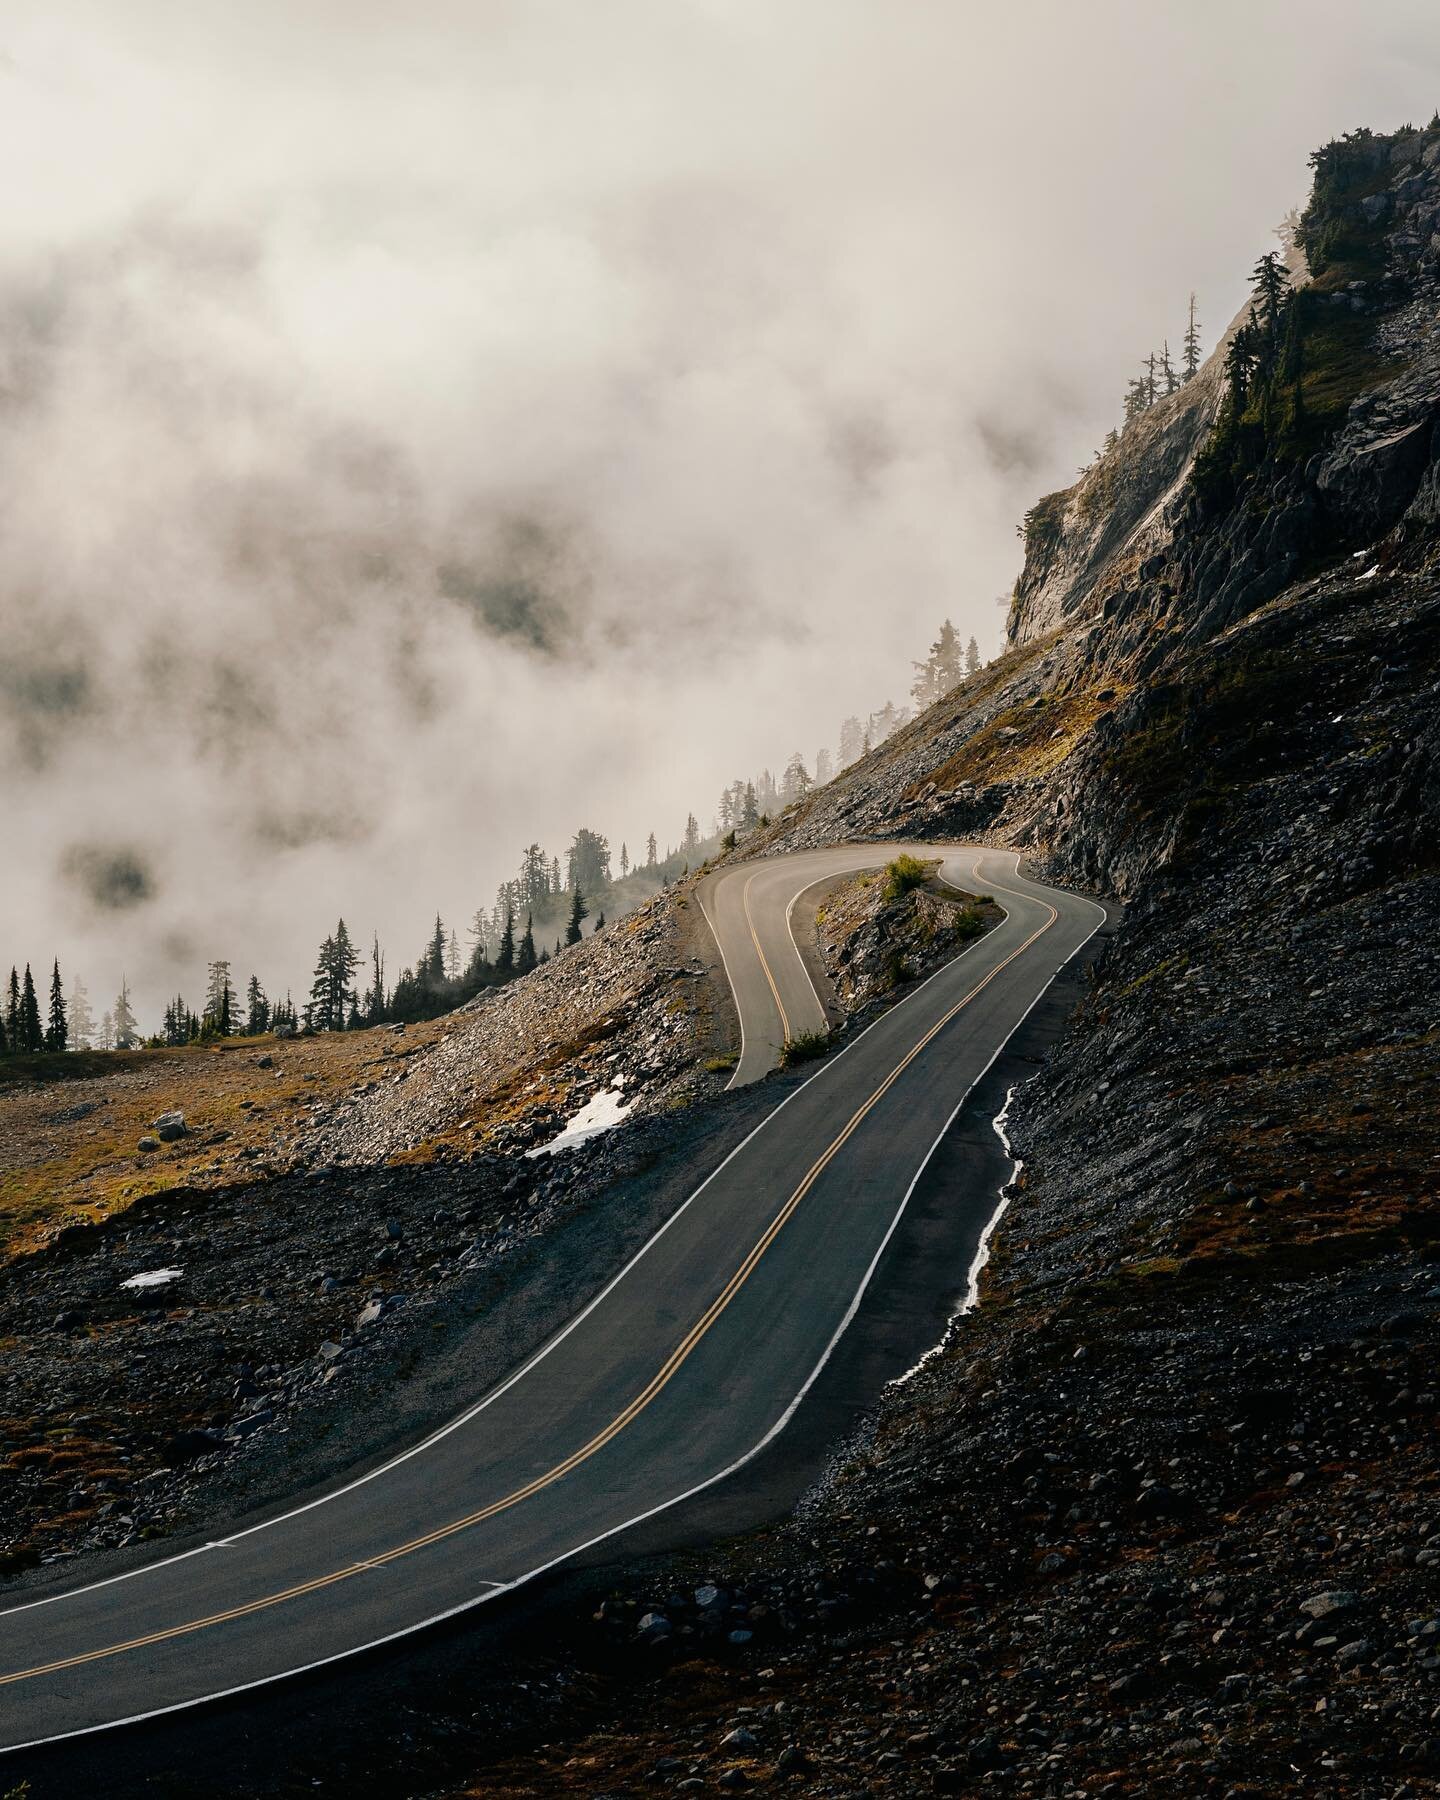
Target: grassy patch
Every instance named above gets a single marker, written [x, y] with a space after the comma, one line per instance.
[905, 874]
[1022, 742]
[717, 1065]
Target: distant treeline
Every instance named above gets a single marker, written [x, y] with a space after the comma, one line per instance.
[545, 907]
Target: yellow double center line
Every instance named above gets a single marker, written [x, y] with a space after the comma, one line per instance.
[764, 963]
[657, 1383]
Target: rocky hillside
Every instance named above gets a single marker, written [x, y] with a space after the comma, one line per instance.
[1161, 1513]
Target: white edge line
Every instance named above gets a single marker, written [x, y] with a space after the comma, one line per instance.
[524, 1369]
[664, 1505]
[724, 964]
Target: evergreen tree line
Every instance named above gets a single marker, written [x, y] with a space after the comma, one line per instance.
[744, 804]
[27, 1028]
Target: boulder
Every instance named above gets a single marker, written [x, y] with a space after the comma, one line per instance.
[170, 1126]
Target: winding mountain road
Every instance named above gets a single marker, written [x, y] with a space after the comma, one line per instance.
[693, 1357]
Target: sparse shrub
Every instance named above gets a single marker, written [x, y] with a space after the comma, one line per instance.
[904, 874]
[969, 924]
[717, 1065]
[807, 1046]
[897, 970]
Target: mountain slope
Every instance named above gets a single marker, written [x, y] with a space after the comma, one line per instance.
[1159, 1512]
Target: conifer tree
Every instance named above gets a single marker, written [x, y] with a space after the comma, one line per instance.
[126, 1029]
[750, 811]
[375, 1000]
[4, 1036]
[82, 1020]
[972, 658]
[32, 1037]
[1191, 361]
[257, 1009]
[589, 860]
[12, 1011]
[525, 955]
[1272, 284]
[650, 859]
[624, 860]
[600, 921]
[1167, 369]
[578, 912]
[220, 1001]
[796, 782]
[505, 955]
[57, 1033]
[107, 1032]
[691, 841]
[433, 962]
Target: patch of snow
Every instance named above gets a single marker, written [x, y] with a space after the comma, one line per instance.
[153, 1278]
[602, 1113]
[982, 1249]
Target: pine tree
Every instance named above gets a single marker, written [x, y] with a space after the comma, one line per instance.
[650, 861]
[972, 658]
[589, 862]
[433, 961]
[1150, 388]
[505, 955]
[796, 782]
[624, 860]
[1167, 370]
[126, 1029]
[824, 767]
[57, 1034]
[750, 812]
[4, 1037]
[452, 958]
[375, 1000]
[82, 1020]
[578, 912]
[935, 677]
[12, 1012]
[1272, 285]
[851, 736]
[220, 1002]
[32, 1038]
[691, 841]
[525, 955]
[1192, 344]
[107, 1032]
[600, 921]
[257, 1009]
[1135, 401]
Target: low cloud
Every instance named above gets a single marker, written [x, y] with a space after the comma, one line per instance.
[425, 432]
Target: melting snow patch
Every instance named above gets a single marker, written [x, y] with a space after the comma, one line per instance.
[153, 1278]
[982, 1249]
[602, 1113]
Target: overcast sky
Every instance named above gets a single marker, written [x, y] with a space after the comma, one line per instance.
[427, 428]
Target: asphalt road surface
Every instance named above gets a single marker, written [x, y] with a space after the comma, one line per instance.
[690, 1360]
